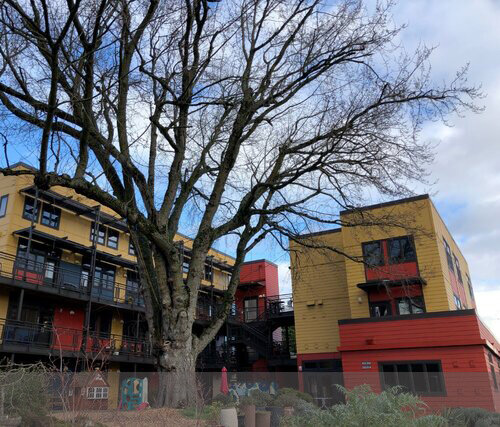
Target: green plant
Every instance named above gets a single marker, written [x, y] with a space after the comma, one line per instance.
[391, 408]
[299, 394]
[261, 398]
[224, 399]
[470, 417]
[247, 401]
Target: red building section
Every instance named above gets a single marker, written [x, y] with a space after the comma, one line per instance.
[258, 280]
[449, 358]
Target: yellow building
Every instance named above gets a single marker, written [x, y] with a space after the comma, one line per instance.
[46, 251]
[400, 248]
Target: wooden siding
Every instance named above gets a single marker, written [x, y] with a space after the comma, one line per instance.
[320, 295]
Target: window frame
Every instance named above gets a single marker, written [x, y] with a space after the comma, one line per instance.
[99, 229]
[6, 198]
[208, 272]
[50, 207]
[457, 269]
[382, 257]
[409, 363]
[469, 284]
[108, 230]
[411, 241]
[456, 299]
[373, 304]
[36, 208]
[131, 248]
[449, 258]
[411, 305]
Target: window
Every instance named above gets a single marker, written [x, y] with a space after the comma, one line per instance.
[50, 216]
[185, 265]
[101, 235]
[448, 255]
[97, 393]
[469, 285]
[373, 254]
[380, 309]
[458, 302]
[413, 305]
[113, 236]
[208, 272]
[3, 205]
[401, 249]
[422, 378]
[29, 212]
[457, 266]
[131, 247]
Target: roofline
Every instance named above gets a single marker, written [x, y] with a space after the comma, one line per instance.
[259, 260]
[25, 165]
[385, 204]
[319, 233]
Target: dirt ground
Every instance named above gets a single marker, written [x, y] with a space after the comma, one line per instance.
[146, 418]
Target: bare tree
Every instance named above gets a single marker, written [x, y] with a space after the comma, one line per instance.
[258, 118]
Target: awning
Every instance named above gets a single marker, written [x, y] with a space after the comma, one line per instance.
[64, 243]
[251, 284]
[379, 284]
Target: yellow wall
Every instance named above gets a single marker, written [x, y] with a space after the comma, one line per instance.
[319, 294]
[333, 279]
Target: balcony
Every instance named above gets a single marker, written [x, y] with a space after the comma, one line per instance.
[70, 282]
[47, 339]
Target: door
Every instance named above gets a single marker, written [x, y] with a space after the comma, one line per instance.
[250, 309]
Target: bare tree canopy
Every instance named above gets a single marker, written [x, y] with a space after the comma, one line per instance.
[258, 117]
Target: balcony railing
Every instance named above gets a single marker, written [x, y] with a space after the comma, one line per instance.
[71, 281]
[59, 339]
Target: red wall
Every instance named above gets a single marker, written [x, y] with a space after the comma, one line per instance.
[68, 328]
[261, 271]
[457, 340]
[467, 383]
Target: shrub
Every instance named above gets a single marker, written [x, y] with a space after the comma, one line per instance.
[224, 399]
[286, 391]
[261, 398]
[390, 408]
[471, 417]
[246, 401]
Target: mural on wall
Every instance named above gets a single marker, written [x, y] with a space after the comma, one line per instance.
[240, 389]
[134, 394]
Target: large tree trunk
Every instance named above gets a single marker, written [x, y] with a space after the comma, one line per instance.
[177, 370]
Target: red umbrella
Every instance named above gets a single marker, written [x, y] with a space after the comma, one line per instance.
[224, 388]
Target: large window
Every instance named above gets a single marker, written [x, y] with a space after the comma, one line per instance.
[105, 236]
[457, 301]
[373, 254]
[413, 305]
[422, 378]
[3, 205]
[457, 266]
[101, 234]
[448, 255]
[401, 249]
[380, 309]
[29, 211]
[51, 216]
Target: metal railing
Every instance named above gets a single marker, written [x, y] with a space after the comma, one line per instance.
[76, 281]
[61, 339]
